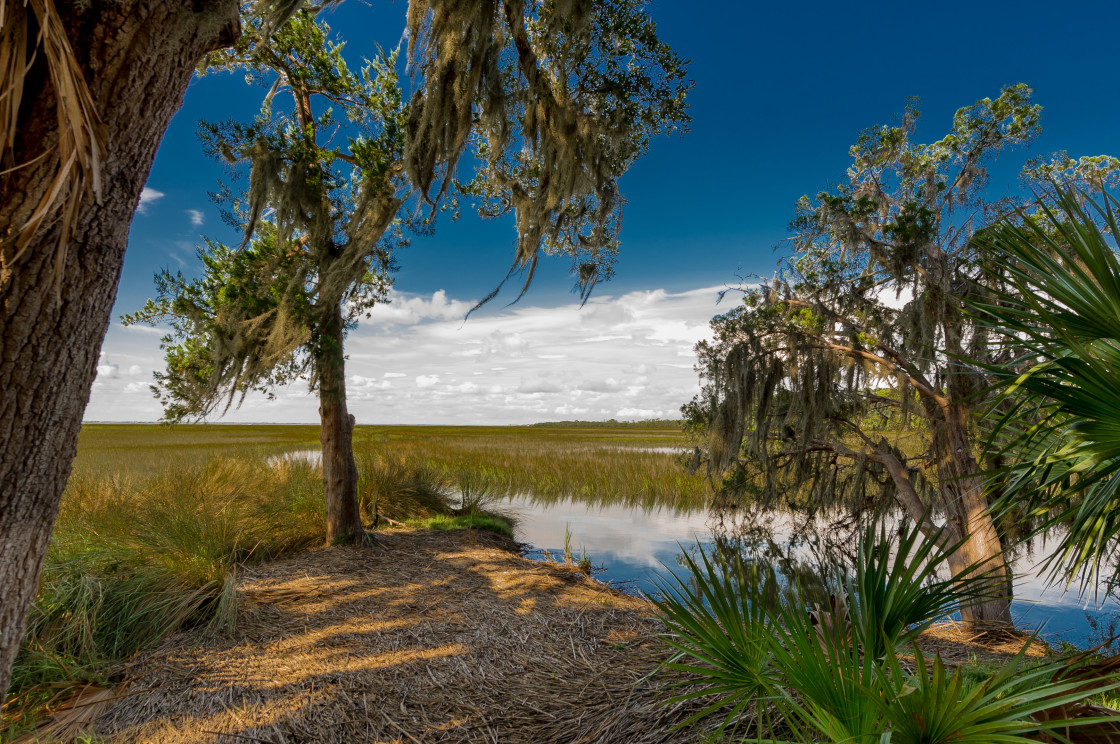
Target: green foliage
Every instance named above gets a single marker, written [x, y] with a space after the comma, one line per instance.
[899, 587]
[135, 559]
[1058, 418]
[838, 382]
[557, 104]
[271, 311]
[772, 665]
[558, 99]
[795, 377]
[720, 626]
[138, 556]
[489, 522]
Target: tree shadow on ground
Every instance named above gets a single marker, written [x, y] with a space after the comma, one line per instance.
[432, 637]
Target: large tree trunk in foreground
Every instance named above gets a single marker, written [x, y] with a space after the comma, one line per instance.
[137, 59]
[336, 433]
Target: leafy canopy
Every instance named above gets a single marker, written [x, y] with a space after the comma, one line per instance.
[262, 313]
[554, 100]
[557, 99]
[836, 374]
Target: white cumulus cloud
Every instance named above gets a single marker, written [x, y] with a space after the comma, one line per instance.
[147, 196]
[367, 383]
[197, 218]
[625, 356]
[402, 309]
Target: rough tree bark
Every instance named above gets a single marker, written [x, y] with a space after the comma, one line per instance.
[336, 434]
[967, 521]
[137, 58]
[967, 517]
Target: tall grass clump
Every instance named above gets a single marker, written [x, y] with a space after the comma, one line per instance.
[478, 490]
[774, 664]
[133, 560]
[400, 488]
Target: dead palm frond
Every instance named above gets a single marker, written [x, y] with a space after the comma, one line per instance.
[79, 146]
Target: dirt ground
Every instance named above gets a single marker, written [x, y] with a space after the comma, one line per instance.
[434, 637]
[430, 637]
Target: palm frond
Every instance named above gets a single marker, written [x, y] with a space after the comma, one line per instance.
[719, 622]
[1058, 415]
[79, 147]
[755, 648]
[897, 589]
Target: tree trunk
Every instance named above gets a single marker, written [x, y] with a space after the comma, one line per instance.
[962, 490]
[967, 515]
[340, 474]
[137, 59]
[982, 546]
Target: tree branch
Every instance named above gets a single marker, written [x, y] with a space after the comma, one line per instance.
[920, 384]
[905, 493]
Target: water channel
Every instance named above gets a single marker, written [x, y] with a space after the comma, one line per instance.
[633, 549]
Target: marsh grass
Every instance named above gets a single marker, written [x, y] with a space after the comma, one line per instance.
[594, 465]
[133, 559]
[597, 464]
[136, 556]
[401, 489]
[569, 558]
[466, 521]
[156, 520]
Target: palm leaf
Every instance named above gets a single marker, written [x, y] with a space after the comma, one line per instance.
[719, 626]
[79, 147]
[755, 648]
[1058, 415]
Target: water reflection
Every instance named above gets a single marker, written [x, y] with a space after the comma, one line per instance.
[634, 545]
[301, 456]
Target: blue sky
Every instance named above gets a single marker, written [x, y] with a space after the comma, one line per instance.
[782, 90]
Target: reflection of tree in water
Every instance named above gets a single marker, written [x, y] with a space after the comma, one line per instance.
[1104, 625]
[805, 550]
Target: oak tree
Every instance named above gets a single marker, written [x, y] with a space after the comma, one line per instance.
[88, 88]
[840, 380]
[552, 129]
[275, 309]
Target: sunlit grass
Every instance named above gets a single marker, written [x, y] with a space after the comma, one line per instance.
[600, 465]
[156, 520]
[464, 522]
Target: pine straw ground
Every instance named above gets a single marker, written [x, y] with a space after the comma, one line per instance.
[435, 637]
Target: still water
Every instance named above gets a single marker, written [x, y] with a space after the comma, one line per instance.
[635, 549]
